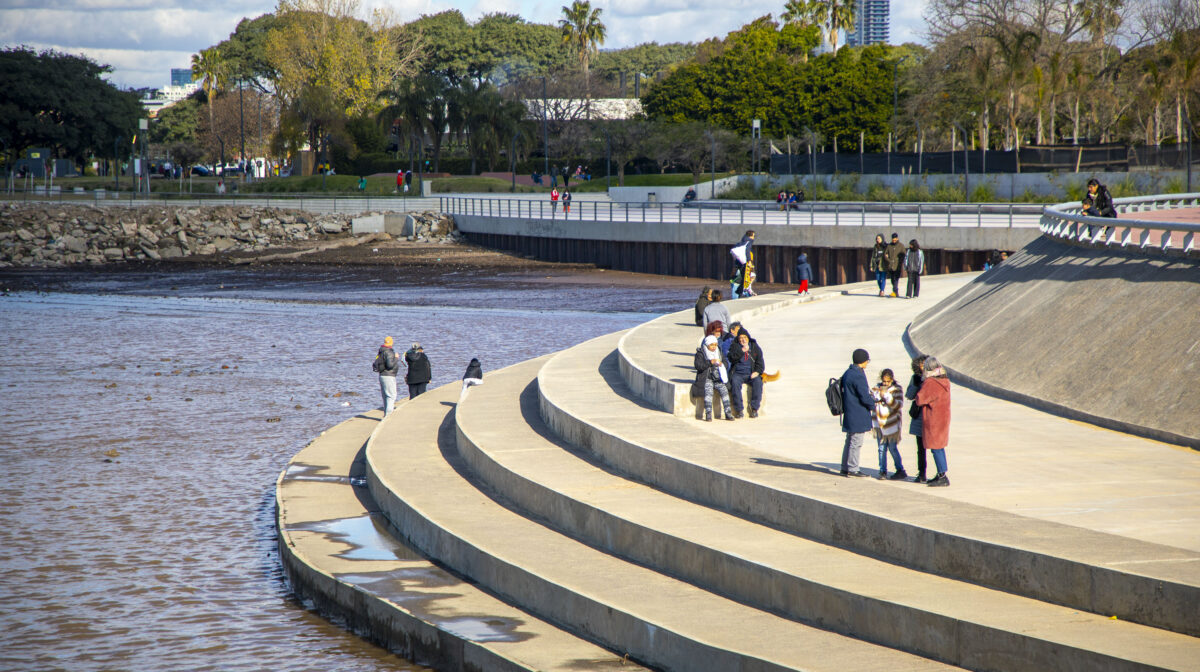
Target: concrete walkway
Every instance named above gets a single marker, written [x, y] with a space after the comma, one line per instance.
[1002, 455]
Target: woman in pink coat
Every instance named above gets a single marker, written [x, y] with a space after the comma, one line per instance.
[934, 401]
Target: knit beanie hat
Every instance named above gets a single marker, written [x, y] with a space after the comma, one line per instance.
[387, 342]
[860, 356]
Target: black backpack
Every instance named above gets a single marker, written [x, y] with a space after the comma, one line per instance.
[833, 396]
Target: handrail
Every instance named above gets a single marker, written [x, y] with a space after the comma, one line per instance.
[1064, 222]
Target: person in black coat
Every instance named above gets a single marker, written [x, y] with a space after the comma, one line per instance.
[857, 407]
[711, 375]
[473, 376]
[803, 273]
[419, 371]
[745, 362]
[702, 303]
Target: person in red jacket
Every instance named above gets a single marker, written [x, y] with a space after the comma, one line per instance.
[554, 200]
[934, 402]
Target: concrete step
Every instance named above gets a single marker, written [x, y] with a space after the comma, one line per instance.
[423, 486]
[504, 441]
[583, 398]
[342, 559]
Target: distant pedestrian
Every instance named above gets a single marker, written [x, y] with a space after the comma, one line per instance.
[716, 310]
[889, 417]
[566, 199]
[702, 303]
[554, 200]
[473, 376]
[857, 408]
[221, 186]
[934, 402]
[914, 413]
[914, 265]
[894, 254]
[878, 262]
[803, 273]
[711, 375]
[419, 371]
[387, 365]
[399, 179]
[746, 367]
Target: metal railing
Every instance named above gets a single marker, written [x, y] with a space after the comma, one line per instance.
[744, 213]
[312, 202]
[1128, 231]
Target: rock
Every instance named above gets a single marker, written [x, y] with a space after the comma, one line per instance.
[25, 235]
[75, 244]
[221, 244]
[113, 253]
[170, 252]
[331, 227]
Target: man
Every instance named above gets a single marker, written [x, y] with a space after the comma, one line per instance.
[387, 365]
[857, 406]
[893, 255]
[745, 368]
[738, 277]
[419, 371]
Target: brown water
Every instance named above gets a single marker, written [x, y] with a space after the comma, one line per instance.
[145, 417]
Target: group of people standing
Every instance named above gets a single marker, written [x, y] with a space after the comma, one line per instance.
[879, 410]
[564, 196]
[889, 259]
[420, 372]
[725, 363]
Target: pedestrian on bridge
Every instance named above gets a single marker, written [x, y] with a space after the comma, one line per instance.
[878, 263]
[894, 254]
[554, 200]
[566, 199]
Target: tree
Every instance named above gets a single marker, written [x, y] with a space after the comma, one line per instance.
[177, 123]
[623, 141]
[582, 30]
[840, 16]
[209, 68]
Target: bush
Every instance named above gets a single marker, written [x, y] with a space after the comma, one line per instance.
[984, 193]
[946, 192]
[912, 192]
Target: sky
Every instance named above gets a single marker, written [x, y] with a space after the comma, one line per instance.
[143, 39]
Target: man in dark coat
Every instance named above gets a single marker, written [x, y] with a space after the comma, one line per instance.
[745, 368]
[419, 372]
[857, 406]
[893, 254]
[387, 365]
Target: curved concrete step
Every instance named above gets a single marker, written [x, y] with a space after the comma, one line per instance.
[583, 399]
[502, 438]
[418, 479]
[341, 559]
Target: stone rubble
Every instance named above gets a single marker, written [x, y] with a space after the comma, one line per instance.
[39, 234]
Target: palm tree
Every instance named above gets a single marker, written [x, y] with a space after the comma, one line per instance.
[209, 67]
[803, 12]
[1016, 51]
[582, 30]
[836, 15]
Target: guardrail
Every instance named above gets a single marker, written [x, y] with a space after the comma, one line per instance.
[314, 202]
[1128, 231]
[832, 213]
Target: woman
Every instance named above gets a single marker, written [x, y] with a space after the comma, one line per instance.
[715, 310]
[914, 412]
[711, 374]
[914, 263]
[879, 263]
[934, 402]
[701, 304]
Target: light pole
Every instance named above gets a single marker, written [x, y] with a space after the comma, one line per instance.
[966, 164]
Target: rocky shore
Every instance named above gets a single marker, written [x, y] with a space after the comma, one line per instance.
[47, 235]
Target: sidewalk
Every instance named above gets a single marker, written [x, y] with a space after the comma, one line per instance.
[1001, 455]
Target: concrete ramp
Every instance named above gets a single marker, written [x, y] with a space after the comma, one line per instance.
[1092, 335]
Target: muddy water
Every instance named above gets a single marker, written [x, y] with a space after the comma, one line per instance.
[146, 416]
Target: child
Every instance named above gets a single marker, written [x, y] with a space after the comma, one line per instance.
[803, 273]
[889, 405]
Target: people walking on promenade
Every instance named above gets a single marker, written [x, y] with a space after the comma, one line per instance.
[934, 402]
[566, 199]
[889, 416]
[716, 310]
[914, 412]
[914, 265]
[857, 408]
[894, 253]
[746, 367]
[702, 303]
[419, 371]
[878, 263]
[711, 375]
[473, 376]
[387, 365]
[554, 200]
[803, 273]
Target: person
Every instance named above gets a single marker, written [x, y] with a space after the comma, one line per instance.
[799, 195]
[419, 371]
[878, 263]
[716, 310]
[934, 401]
[407, 180]
[473, 376]
[803, 273]
[690, 195]
[362, 183]
[387, 365]
[701, 303]
[745, 362]
[746, 287]
[1088, 207]
[566, 199]
[914, 265]
[735, 281]
[857, 407]
[914, 412]
[710, 375]
[221, 186]
[781, 199]
[399, 180]
[716, 328]
[1101, 200]
[566, 173]
[554, 200]
[726, 341]
[894, 254]
[889, 415]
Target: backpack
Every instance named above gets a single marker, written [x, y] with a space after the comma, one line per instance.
[833, 396]
[377, 365]
[739, 253]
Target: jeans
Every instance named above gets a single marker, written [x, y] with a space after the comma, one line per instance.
[721, 388]
[939, 458]
[921, 460]
[886, 447]
[854, 441]
[416, 389]
[387, 385]
[914, 285]
[736, 381]
[881, 278]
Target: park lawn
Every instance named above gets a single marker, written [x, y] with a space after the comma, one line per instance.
[477, 185]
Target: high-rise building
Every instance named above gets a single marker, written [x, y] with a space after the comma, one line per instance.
[181, 76]
[872, 18]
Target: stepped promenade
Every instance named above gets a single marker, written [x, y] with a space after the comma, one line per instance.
[574, 514]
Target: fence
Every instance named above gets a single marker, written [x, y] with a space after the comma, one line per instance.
[1134, 229]
[312, 202]
[1103, 158]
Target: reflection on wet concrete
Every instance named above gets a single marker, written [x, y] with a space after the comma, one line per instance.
[365, 535]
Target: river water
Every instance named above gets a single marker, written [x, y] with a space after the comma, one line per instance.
[146, 416]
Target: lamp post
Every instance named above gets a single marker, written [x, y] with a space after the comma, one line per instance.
[966, 164]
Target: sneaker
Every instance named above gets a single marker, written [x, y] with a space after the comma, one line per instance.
[893, 295]
[882, 475]
[920, 479]
[940, 482]
[737, 414]
[753, 413]
[730, 417]
[899, 475]
[854, 474]
[708, 416]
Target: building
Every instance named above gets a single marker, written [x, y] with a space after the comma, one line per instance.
[181, 76]
[181, 87]
[872, 19]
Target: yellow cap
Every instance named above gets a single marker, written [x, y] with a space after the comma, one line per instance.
[387, 342]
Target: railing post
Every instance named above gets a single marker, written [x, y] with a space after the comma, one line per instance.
[979, 216]
[837, 214]
[891, 208]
